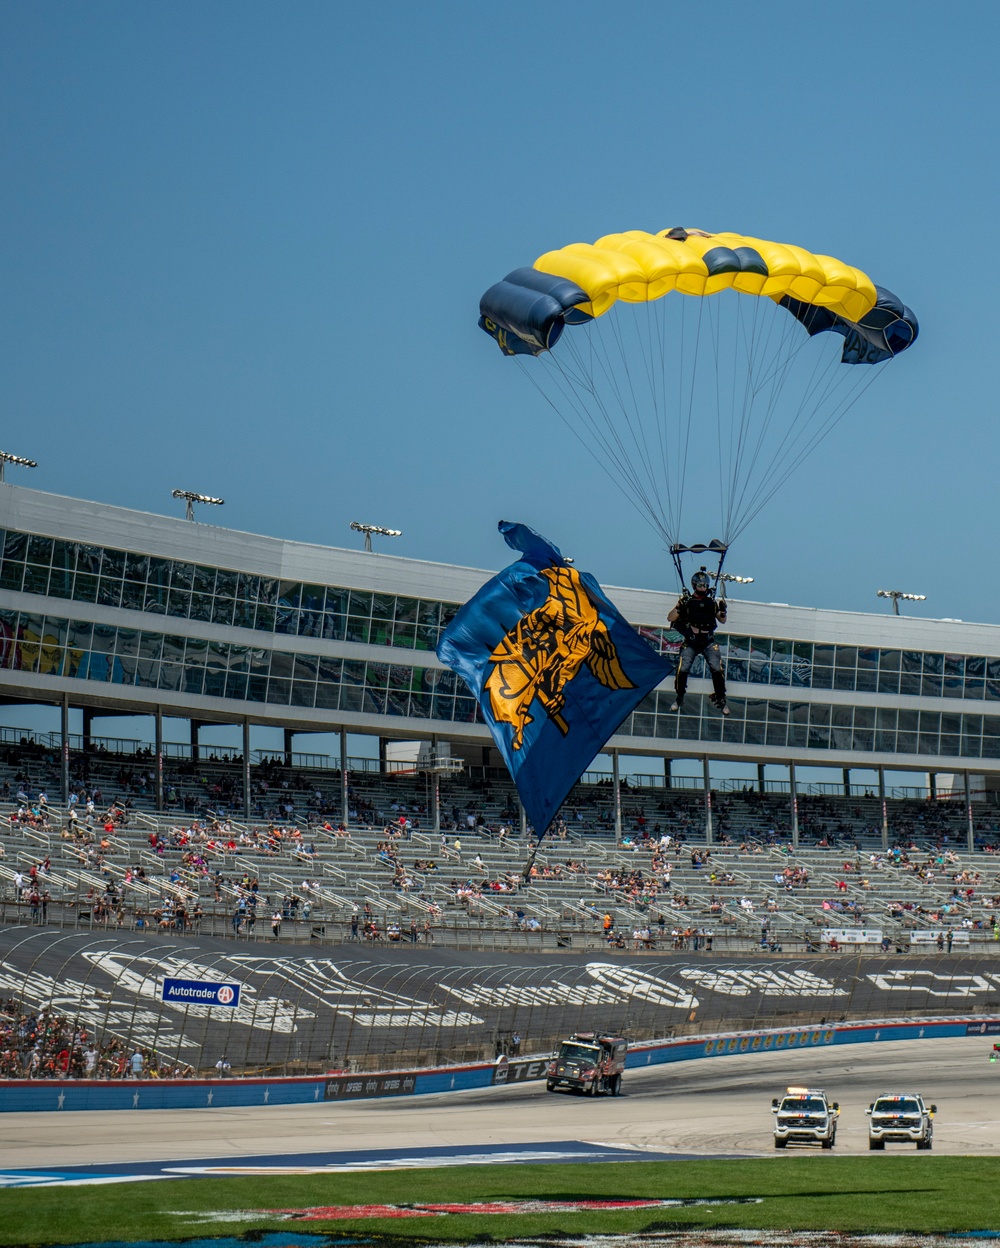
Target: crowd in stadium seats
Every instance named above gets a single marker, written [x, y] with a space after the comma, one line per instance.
[45, 1045]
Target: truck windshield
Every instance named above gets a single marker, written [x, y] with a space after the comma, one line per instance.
[894, 1105]
[580, 1053]
[803, 1105]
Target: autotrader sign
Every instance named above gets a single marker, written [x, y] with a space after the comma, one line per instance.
[200, 992]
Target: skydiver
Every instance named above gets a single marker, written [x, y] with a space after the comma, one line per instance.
[696, 617]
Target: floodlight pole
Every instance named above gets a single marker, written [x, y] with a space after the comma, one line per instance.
[191, 497]
[6, 458]
[896, 594]
[369, 529]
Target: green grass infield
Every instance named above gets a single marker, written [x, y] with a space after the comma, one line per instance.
[882, 1193]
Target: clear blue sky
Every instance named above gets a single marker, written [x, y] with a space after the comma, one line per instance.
[243, 246]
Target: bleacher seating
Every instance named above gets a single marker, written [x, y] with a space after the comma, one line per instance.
[193, 867]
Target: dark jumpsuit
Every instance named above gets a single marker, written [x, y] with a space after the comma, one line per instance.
[697, 621]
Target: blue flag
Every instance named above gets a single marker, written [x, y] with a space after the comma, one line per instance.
[555, 666]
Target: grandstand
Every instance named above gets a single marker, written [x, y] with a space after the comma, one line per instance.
[109, 611]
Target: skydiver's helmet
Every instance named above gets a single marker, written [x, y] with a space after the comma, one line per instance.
[701, 582]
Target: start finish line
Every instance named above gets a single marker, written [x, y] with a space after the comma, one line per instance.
[199, 992]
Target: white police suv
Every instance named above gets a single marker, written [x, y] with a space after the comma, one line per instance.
[805, 1116]
[900, 1118]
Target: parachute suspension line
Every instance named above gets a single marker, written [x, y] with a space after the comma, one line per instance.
[633, 419]
[832, 420]
[620, 483]
[648, 493]
[683, 456]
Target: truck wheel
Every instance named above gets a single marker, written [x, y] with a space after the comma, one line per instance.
[550, 1087]
[780, 1143]
[876, 1145]
[616, 1086]
[829, 1143]
[923, 1145]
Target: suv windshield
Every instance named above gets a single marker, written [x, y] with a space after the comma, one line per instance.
[580, 1053]
[803, 1105]
[904, 1105]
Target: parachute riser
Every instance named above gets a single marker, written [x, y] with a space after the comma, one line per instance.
[716, 548]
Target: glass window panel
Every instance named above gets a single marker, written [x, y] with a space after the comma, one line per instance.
[334, 627]
[974, 689]
[404, 635]
[844, 678]
[327, 697]
[886, 718]
[133, 596]
[268, 590]
[781, 673]
[354, 672]
[754, 733]
[337, 600]
[759, 662]
[408, 611]
[136, 567]
[243, 614]
[931, 686]
[195, 651]
[222, 610]
[330, 670]
[236, 685]
[265, 618]
[991, 747]
[756, 709]
[736, 671]
[303, 693]
[247, 586]
[928, 743]
[822, 677]
[88, 559]
[383, 606]
[864, 717]
[15, 545]
[226, 583]
[780, 649]
[846, 656]
[12, 575]
[975, 665]
[109, 592]
[888, 682]
[150, 645]
[361, 603]
[930, 722]
[910, 682]
[201, 606]
[819, 714]
[282, 665]
[40, 550]
[951, 745]
[312, 597]
[888, 660]
[374, 701]
[203, 580]
[427, 637]
[305, 667]
[864, 739]
[906, 743]
[311, 623]
[173, 649]
[36, 579]
[909, 721]
[381, 633]
[954, 665]
[867, 680]
[951, 723]
[178, 602]
[933, 664]
[867, 658]
[181, 575]
[912, 661]
[803, 650]
[357, 629]
[63, 566]
[420, 705]
[112, 563]
[823, 655]
[428, 613]
[351, 697]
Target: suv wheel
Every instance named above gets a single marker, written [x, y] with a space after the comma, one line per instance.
[780, 1143]
[876, 1145]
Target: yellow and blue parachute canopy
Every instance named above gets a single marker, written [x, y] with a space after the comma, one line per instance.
[527, 311]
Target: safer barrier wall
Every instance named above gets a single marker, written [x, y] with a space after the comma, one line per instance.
[18, 1095]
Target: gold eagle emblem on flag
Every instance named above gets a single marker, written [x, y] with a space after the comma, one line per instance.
[545, 652]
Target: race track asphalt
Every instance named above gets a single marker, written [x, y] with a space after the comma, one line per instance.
[712, 1107]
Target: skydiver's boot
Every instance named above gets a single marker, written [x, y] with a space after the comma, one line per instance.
[719, 696]
[680, 686]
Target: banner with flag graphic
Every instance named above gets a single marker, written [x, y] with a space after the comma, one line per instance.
[555, 666]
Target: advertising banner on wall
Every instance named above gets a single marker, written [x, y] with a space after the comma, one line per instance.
[198, 992]
[853, 935]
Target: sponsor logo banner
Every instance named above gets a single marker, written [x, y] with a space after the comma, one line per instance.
[954, 936]
[990, 1028]
[853, 935]
[200, 992]
[359, 1087]
[520, 1071]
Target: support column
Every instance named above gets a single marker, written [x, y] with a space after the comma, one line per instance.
[616, 781]
[344, 802]
[88, 729]
[708, 800]
[246, 770]
[64, 748]
[760, 777]
[847, 782]
[794, 796]
[668, 778]
[195, 724]
[158, 758]
[435, 787]
[288, 743]
[382, 768]
[971, 842]
[885, 809]
[932, 785]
